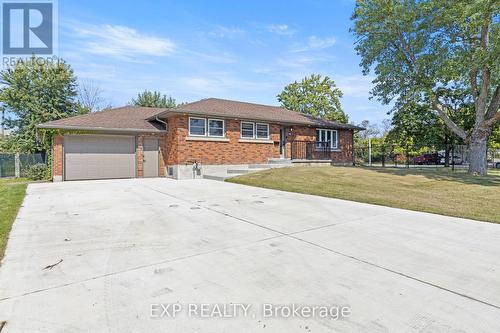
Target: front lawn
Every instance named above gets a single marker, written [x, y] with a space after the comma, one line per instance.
[438, 191]
[12, 192]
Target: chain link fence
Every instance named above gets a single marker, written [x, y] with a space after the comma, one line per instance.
[428, 156]
[15, 165]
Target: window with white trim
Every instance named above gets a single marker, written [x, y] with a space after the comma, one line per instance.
[262, 131]
[247, 130]
[204, 127]
[251, 130]
[326, 137]
[197, 126]
[216, 127]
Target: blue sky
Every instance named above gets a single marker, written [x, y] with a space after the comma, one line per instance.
[241, 50]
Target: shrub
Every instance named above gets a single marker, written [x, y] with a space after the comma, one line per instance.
[36, 171]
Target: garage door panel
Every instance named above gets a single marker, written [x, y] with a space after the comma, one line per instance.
[99, 157]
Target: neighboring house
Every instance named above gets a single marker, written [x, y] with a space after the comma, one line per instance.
[212, 133]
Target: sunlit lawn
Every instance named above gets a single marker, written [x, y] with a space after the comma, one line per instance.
[439, 190]
[12, 192]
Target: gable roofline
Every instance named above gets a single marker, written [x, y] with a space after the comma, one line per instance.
[229, 109]
[145, 119]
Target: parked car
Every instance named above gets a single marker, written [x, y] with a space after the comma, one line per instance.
[430, 158]
[456, 159]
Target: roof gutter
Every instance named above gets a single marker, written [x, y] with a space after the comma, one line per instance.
[162, 122]
[104, 129]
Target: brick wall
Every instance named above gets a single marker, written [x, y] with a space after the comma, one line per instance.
[345, 146]
[180, 150]
[57, 157]
[342, 155]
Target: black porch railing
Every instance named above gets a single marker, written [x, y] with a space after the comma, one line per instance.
[310, 150]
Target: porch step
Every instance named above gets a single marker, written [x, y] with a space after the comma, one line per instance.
[214, 177]
[279, 161]
[260, 166]
[223, 175]
[240, 171]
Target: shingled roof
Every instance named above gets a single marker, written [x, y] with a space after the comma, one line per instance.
[216, 107]
[127, 118]
[143, 119]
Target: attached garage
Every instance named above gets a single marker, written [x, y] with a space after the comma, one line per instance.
[99, 157]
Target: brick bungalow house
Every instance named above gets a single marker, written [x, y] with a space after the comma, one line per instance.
[190, 140]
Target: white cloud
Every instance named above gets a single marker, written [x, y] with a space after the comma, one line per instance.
[321, 43]
[314, 43]
[280, 29]
[122, 42]
[222, 84]
[227, 32]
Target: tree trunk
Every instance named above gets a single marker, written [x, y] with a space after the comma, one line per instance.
[447, 156]
[478, 149]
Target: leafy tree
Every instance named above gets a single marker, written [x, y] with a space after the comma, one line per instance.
[154, 99]
[425, 50]
[315, 95]
[494, 142]
[33, 92]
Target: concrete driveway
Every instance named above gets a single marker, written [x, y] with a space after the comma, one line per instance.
[132, 247]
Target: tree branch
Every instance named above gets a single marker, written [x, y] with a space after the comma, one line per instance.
[492, 121]
[480, 102]
[473, 83]
[436, 104]
[410, 57]
[494, 104]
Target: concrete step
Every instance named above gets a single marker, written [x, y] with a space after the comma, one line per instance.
[259, 166]
[240, 171]
[279, 161]
[215, 177]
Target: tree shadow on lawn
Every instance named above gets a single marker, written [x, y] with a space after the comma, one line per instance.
[441, 174]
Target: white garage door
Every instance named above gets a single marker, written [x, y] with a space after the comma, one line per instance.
[99, 157]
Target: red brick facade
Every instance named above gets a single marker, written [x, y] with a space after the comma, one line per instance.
[57, 157]
[177, 148]
[181, 149]
[342, 155]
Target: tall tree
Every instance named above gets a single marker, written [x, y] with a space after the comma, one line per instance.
[314, 95]
[90, 98]
[33, 92]
[154, 99]
[423, 50]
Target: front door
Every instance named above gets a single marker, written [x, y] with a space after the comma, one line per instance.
[282, 142]
[151, 161]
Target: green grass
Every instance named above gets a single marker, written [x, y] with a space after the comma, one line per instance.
[12, 192]
[438, 191]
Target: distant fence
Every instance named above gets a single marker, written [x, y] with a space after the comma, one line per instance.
[15, 165]
[432, 155]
